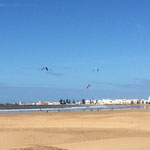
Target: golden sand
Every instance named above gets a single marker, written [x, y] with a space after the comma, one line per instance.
[104, 130]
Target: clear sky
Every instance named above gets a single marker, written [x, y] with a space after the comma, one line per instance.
[72, 38]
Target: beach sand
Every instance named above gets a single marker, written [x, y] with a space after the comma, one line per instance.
[103, 130]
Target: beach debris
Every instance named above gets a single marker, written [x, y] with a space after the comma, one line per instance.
[45, 68]
[88, 86]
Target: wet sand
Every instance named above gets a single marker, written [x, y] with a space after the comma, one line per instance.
[103, 130]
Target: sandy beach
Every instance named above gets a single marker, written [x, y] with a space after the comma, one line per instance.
[103, 130]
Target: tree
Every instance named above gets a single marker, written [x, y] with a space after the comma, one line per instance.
[62, 101]
[74, 101]
[83, 101]
[132, 102]
[67, 101]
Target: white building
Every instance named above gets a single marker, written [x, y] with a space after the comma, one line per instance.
[149, 99]
[56, 103]
[29, 103]
[78, 103]
[87, 102]
[21, 103]
[42, 103]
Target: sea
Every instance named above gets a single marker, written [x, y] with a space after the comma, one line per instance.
[63, 108]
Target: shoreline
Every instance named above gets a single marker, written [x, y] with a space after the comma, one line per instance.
[69, 108]
[83, 111]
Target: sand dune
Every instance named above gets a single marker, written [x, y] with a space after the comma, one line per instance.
[105, 130]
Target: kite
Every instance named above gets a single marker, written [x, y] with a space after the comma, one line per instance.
[45, 68]
[96, 69]
[88, 86]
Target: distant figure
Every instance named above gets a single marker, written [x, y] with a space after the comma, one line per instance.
[45, 68]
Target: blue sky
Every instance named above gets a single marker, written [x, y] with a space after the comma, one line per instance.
[72, 38]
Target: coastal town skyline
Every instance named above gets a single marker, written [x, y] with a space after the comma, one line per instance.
[67, 101]
[91, 101]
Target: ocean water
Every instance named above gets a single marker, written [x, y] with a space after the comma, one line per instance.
[62, 108]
